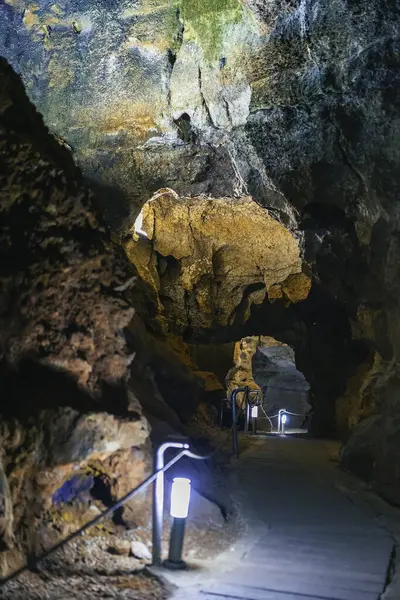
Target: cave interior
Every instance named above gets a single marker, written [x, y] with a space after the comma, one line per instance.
[193, 198]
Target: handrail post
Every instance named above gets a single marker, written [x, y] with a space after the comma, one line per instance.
[221, 414]
[247, 418]
[235, 442]
[158, 498]
[234, 428]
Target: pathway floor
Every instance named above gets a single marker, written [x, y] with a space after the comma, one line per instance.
[304, 539]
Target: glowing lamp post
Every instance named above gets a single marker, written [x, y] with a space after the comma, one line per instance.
[282, 420]
[254, 415]
[180, 498]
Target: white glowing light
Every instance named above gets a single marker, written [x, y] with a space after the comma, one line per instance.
[138, 226]
[254, 411]
[284, 418]
[180, 498]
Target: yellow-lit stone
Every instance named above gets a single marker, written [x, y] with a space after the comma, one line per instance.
[297, 287]
[241, 374]
[230, 253]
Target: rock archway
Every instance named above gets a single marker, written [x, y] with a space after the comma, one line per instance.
[267, 365]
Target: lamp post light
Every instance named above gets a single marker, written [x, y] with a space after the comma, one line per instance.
[180, 499]
[158, 497]
[283, 421]
[282, 418]
[254, 415]
[248, 414]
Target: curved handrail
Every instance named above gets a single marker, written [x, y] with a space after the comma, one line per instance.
[32, 563]
[288, 413]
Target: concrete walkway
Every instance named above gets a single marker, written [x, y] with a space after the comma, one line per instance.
[304, 539]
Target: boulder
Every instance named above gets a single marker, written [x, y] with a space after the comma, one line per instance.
[139, 550]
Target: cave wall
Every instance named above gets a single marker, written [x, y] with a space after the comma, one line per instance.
[282, 385]
[65, 408]
[294, 102]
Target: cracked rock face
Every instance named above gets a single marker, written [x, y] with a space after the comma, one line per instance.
[209, 261]
[64, 360]
[114, 80]
[265, 364]
[60, 273]
[283, 386]
[294, 102]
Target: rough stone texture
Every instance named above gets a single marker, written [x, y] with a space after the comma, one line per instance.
[283, 386]
[208, 261]
[166, 380]
[118, 81]
[295, 102]
[60, 275]
[359, 400]
[64, 361]
[241, 374]
[372, 447]
[267, 365]
[47, 450]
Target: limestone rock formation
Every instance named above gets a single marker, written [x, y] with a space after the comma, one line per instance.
[294, 102]
[283, 386]
[209, 260]
[64, 360]
[78, 448]
[241, 374]
[267, 365]
[60, 277]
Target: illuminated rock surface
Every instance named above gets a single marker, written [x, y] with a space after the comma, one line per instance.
[294, 104]
[63, 357]
[210, 260]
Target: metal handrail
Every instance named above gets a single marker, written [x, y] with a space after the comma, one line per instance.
[235, 416]
[33, 562]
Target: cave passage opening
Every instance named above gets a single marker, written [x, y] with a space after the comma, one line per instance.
[265, 365]
[220, 270]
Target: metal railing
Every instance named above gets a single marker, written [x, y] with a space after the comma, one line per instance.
[157, 477]
[252, 398]
[32, 563]
[282, 419]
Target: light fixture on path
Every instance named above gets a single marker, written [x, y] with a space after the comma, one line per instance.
[180, 499]
[284, 418]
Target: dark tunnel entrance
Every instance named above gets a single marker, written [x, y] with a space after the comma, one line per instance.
[318, 333]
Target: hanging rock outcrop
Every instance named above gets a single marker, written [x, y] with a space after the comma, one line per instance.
[209, 260]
